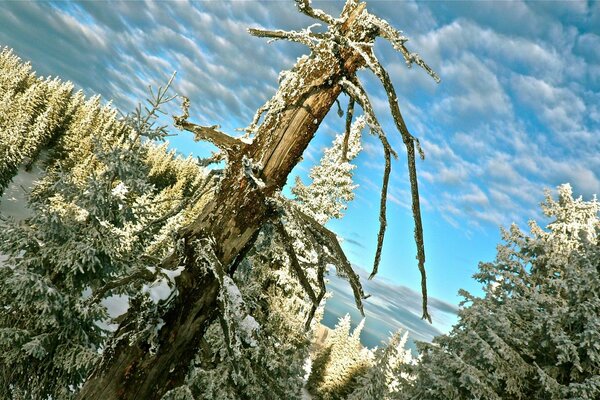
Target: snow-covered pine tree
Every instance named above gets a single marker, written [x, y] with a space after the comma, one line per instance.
[33, 112]
[104, 210]
[381, 380]
[339, 363]
[535, 333]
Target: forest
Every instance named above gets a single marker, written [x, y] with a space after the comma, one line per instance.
[133, 272]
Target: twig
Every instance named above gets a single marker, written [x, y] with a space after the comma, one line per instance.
[305, 7]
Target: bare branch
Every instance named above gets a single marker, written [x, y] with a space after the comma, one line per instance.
[322, 291]
[207, 133]
[355, 90]
[329, 240]
[305, 7]
[349, 115]
[305, 36]
[409, 141]
[397, 41]
[289, 249]
[382, 211]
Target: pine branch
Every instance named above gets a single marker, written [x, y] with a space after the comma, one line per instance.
[207, 133]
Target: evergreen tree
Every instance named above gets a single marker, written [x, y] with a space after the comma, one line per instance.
[33, 112]
[535, 333]
[105, 210]
[337, 367]
[381, 379]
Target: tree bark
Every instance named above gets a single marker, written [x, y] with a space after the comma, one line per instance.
[230, 221]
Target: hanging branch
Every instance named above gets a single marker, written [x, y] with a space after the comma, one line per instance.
[409, 141]
[208, 133]
[355, 90]
[382, 211]
[295, 265]
[349, 115]
[329, 240]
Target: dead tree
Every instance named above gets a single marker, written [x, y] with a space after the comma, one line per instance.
[247, 197]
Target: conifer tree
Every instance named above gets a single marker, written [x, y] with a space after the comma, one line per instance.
[534, 334]
[33, 112]
[100, 212]
[337, 367]
[381, 379]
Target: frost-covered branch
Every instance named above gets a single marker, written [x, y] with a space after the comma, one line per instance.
[305, 36]
[298, 271]
[397, 40]
[141, 273]
[208, 133]
[355, 90]
[305, 7]
[382, 211]
[328, 240]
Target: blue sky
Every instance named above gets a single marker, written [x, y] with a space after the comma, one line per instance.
[517, 111]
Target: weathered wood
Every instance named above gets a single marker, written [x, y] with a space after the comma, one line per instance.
[231, 221]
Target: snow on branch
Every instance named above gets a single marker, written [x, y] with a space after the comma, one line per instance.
[305, 7]
[295, 264]
[328, 240]
[349, 115]
[208, 133]
[397, 40]
[237, 324]
[305, 36]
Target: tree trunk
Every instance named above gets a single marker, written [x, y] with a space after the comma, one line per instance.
[230, 221]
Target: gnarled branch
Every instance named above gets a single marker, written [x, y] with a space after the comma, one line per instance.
[207, 133]
[305, 8]
[409, 141]
[329, 240]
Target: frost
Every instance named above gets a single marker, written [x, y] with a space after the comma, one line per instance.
[120, 191]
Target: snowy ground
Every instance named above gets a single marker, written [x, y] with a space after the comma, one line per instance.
[13, 202]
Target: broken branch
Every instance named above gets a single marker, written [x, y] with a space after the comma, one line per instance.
[207, 133]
